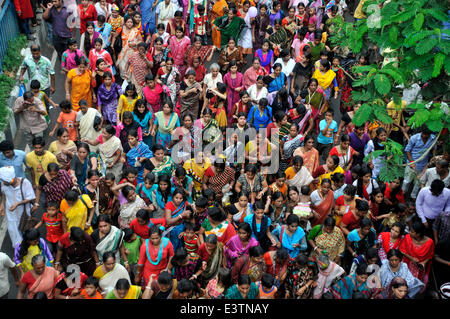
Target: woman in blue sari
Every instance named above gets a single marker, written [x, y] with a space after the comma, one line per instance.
[143, 117]
[175, 211]
[161, 195]
[291, 236]
[137, 153]
[278, 79]
[347, 286]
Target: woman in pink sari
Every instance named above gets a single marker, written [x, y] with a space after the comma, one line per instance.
[251, 74]
[239, 244]
[234, 81]
[178, 44]
[39, 279]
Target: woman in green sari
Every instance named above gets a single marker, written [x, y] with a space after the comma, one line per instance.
[230, 26]
[244, 289]
[165, 122]
[209, 127]
[279, 37]
[314, 101]
[159, 164]
[216, 258]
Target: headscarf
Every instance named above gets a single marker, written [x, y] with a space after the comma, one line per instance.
[252, 12]
[7, 174]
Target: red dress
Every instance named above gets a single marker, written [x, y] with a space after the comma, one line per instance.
[25, 7]
[89, 15]
[146, 250]
[143, 230]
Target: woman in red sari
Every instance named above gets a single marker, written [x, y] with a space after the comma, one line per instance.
[418, 251]
[154, 256]
[39, 279]
[87, 13]
[204, 52]
[322, 202]
[393, 193]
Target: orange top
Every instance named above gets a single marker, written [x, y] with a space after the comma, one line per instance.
[86, 296]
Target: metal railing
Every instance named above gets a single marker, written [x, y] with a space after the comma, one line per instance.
[9, 26]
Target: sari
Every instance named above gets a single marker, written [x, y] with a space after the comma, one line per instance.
[63, 159]
[288, 242]
[280, 38]
[133, 293]
[325, 81]
[80, 253]
[422, 253]
[224, 231]
[165, 128]
[315, 100]
[87, 127]
[138, 70]
[217, 181]
[110, 242]
[291, 145]
[326, 277]
[171, 82]
[301, 178]
[133, 37]
[139, 151]
[173, 232]
[68, 59]
[202, 53]
[277, 83]
[107, 150]
[229, 29]
[158, 58]
[80, 88]
[196, 171]
[250, 76]
[40, 249]
[224, 57]
[298, 277]
[234, 293]
[217, 10]
[153, 97]
[211, 131]
[233, 96]
[44, 283]
[324, 208]
[94, 55]
[177, 48]
[55, 189]
[213, 264]
[190, 103]
[107, 281]
[386, 276]
[128, 211]
[234, 249]
[345, 288]
[384, 244]
[165, 167]
[333, 243]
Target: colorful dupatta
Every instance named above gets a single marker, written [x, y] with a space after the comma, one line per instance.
[111, 242]
[44, 283]
[422, 253]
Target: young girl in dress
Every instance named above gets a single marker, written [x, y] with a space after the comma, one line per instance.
[217, 287]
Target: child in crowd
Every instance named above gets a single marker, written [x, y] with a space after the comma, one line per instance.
[217, 286]
[90, 290]
[190, 239]
[132, 243]
[53, 223]
[144, 190]
[267, 289]
[303, 208]
[142, 223]
[67, 119]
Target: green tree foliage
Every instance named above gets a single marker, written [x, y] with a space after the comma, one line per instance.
[410, 36]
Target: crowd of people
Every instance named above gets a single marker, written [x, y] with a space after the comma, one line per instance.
[145, 195]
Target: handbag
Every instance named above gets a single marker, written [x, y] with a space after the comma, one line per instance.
[27, 221]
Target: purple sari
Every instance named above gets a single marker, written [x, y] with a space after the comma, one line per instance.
[108, 100]
[358, 145]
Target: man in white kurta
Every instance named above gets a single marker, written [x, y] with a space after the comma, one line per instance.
[13, 203]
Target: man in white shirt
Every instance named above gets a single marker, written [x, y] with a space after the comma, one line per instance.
[439, 172]
[17, 195]
[5, 264]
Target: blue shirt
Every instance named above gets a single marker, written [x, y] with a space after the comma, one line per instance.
[249, 219]
[17, 161]
[322, 139]
[416, 147]
[259, 121]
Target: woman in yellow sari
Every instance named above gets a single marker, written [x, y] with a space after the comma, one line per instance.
[124, 290]
[328, 169]
[196, 167]
[325, 76]
[218, 10]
